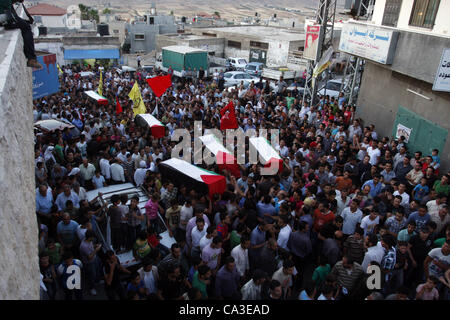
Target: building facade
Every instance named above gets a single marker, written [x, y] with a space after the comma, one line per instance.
[48, 15]
[404, 88]
[141, 35]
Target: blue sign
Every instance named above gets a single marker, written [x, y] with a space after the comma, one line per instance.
[45, 80]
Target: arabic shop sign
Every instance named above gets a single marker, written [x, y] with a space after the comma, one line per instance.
[372, 43]
[442, 79]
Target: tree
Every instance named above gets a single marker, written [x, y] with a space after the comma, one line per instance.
[106, 11]
[217, 14]
[171, 12]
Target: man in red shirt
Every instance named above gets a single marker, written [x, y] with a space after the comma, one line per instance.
[322, 215]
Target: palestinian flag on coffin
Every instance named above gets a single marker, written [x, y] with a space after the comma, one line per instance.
[181, 172]
[269, 155]
[224, 158]
[94, 95]
[157, 128]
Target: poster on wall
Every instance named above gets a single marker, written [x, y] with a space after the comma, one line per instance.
[312, 40]
[45, 80]
[403, 131]
[442, 79]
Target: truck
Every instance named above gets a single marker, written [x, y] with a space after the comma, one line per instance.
[179, 57]
[276, 73]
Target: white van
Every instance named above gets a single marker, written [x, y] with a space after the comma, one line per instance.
[127, 259]
[237, 63]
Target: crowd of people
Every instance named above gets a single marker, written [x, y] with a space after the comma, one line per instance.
[346, 201]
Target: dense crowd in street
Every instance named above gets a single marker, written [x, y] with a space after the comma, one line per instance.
[347, 201]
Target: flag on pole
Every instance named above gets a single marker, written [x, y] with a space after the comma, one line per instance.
[155, 111]
[100, 84]
[118, 106]
[160, 84]
[228, 117]
[138, 103]
[323, 63]
[59, 69]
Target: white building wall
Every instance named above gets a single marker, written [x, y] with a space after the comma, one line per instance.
[54, 21]
[278, 52]
[236, 53]
[441, 24]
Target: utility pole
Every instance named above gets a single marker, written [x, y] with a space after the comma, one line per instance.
[355, 65]
[325, 16]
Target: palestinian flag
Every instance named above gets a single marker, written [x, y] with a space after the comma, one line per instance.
[157, 128]
[181, 172]
[224, 158]
[94, 95]
[269, 155]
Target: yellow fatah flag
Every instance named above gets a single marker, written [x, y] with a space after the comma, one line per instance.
[100, 85]
[138, 103]
[323, 63]
[59, 69]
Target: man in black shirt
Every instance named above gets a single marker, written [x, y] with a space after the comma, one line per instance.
[418, 247]
[171, 287]
[112, 269]
[115, 215]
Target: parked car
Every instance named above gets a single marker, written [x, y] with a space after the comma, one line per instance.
[333, 88]
[237, 63]
[126, 259]
[297, 85]
[236, 77]
[254, 68]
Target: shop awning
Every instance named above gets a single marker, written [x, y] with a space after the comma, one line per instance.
[91, 54]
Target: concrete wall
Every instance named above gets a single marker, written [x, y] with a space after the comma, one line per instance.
[19, 263]
[383, 91]
[419, 63]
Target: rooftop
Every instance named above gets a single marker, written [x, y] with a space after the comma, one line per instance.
[263, 32]
[43, 9]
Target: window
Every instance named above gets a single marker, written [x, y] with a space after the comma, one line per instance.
[424, 13]
[242, 61]
[209, 34]
[391, 12]
[152, 20]
[262, 45]
[115, 31]
[234, 44]
[139, 36]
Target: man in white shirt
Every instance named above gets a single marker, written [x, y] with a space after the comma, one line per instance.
[186, 213]
[375, 251]
[402, 193]
[434, 206]
[369, 222]
[105, 167]
[197, 234]
[211, 232]
[374, 153]
[117, 172]
[285, 232]
[123, 154]
[139, 175]
[240, 255]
